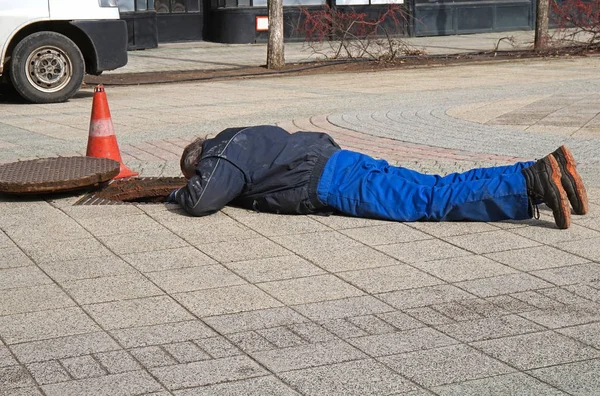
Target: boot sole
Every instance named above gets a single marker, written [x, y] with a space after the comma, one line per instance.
[565, 209]
[580, 191]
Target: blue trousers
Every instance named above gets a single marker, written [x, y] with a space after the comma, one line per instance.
[358, 185]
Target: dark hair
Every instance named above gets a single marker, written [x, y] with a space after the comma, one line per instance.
[191, 156]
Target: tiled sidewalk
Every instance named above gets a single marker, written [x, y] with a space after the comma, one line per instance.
[144, 300]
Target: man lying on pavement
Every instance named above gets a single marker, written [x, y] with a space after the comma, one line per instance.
[267, 169]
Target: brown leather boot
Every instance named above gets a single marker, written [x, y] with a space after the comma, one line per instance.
[543, 181]
[571, 181]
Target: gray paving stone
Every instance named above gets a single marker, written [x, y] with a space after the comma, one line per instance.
[535, 350]
[361, 378]
[456, 311]
[44, 325]
[311, 332]
[281, 337]
[344, 329]
[275, 225]
[310, 289]
[36, 298]
[386, 279]
[446, 229]
[427, 250]
[254, 320]
[403, 341]
[12, 278]
[221, 231]
[339, 222]
[218, 347]
[138, 312]
[586, 291]
[116, 362]
[126, 225]
[13, 257]
[565, 315]
[249, 249]
[354, 306]
[162, 333]
[49, 372]
[186, 352]
[208, 372]
[111, 288]
[385, 234]
[588, 333]
[125, 384]
[586, 248]
[226, 300]
[250, 341]
[275, 268]
[510, 304]
[537, 300]
[509, 384]
[51, 251]
[489, 328]
[304, 356]
[400, 320]
[562, 295]
[582, 273]
[182, 257]
[429, 316]
[267, 385]
[64, 347]
[372, 324]
[195, 278]
[6, 358]
[327, 241]
[440, 366]
[580, 378]
[143, 242]
[535, 258]
[504, 284]
[554, 236]
[483, 307]
[83, 367]
[152, 356]
[104, 211]
[464, 268]
[355, 258]
[26, 391]
[480, 243]
[5, 241]
[423, 296]
[91, 267]
[12, 377]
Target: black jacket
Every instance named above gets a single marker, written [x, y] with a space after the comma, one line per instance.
[264, 168]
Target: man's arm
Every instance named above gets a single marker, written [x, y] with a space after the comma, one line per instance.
[217, 183]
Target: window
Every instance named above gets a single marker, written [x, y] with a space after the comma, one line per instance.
[176, 6]
[135, 5]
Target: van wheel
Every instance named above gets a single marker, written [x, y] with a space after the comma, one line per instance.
[47, 67]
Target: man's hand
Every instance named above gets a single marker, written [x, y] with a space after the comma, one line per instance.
[172, 196]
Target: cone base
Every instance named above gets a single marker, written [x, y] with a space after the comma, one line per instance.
[125, 173]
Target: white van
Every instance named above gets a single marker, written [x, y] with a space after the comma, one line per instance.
[47, 46]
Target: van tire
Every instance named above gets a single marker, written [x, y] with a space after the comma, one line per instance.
[47, 67]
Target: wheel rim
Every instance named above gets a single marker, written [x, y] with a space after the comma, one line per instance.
[49, 69]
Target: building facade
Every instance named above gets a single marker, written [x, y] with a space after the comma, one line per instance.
[241, 21]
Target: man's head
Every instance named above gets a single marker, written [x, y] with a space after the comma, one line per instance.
[191, 156]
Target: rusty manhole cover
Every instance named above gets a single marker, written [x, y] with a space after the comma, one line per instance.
[134, 190]
[52, 175]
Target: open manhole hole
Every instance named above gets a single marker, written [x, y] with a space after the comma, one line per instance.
[143, 190]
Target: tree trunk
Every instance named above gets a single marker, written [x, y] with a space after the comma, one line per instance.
[541, 25]
[275, 50]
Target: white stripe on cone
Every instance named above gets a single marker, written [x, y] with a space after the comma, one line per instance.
[99, 128]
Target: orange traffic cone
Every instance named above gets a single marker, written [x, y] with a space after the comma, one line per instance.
[102, 142]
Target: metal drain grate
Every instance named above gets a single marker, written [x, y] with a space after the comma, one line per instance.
[134, 191]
